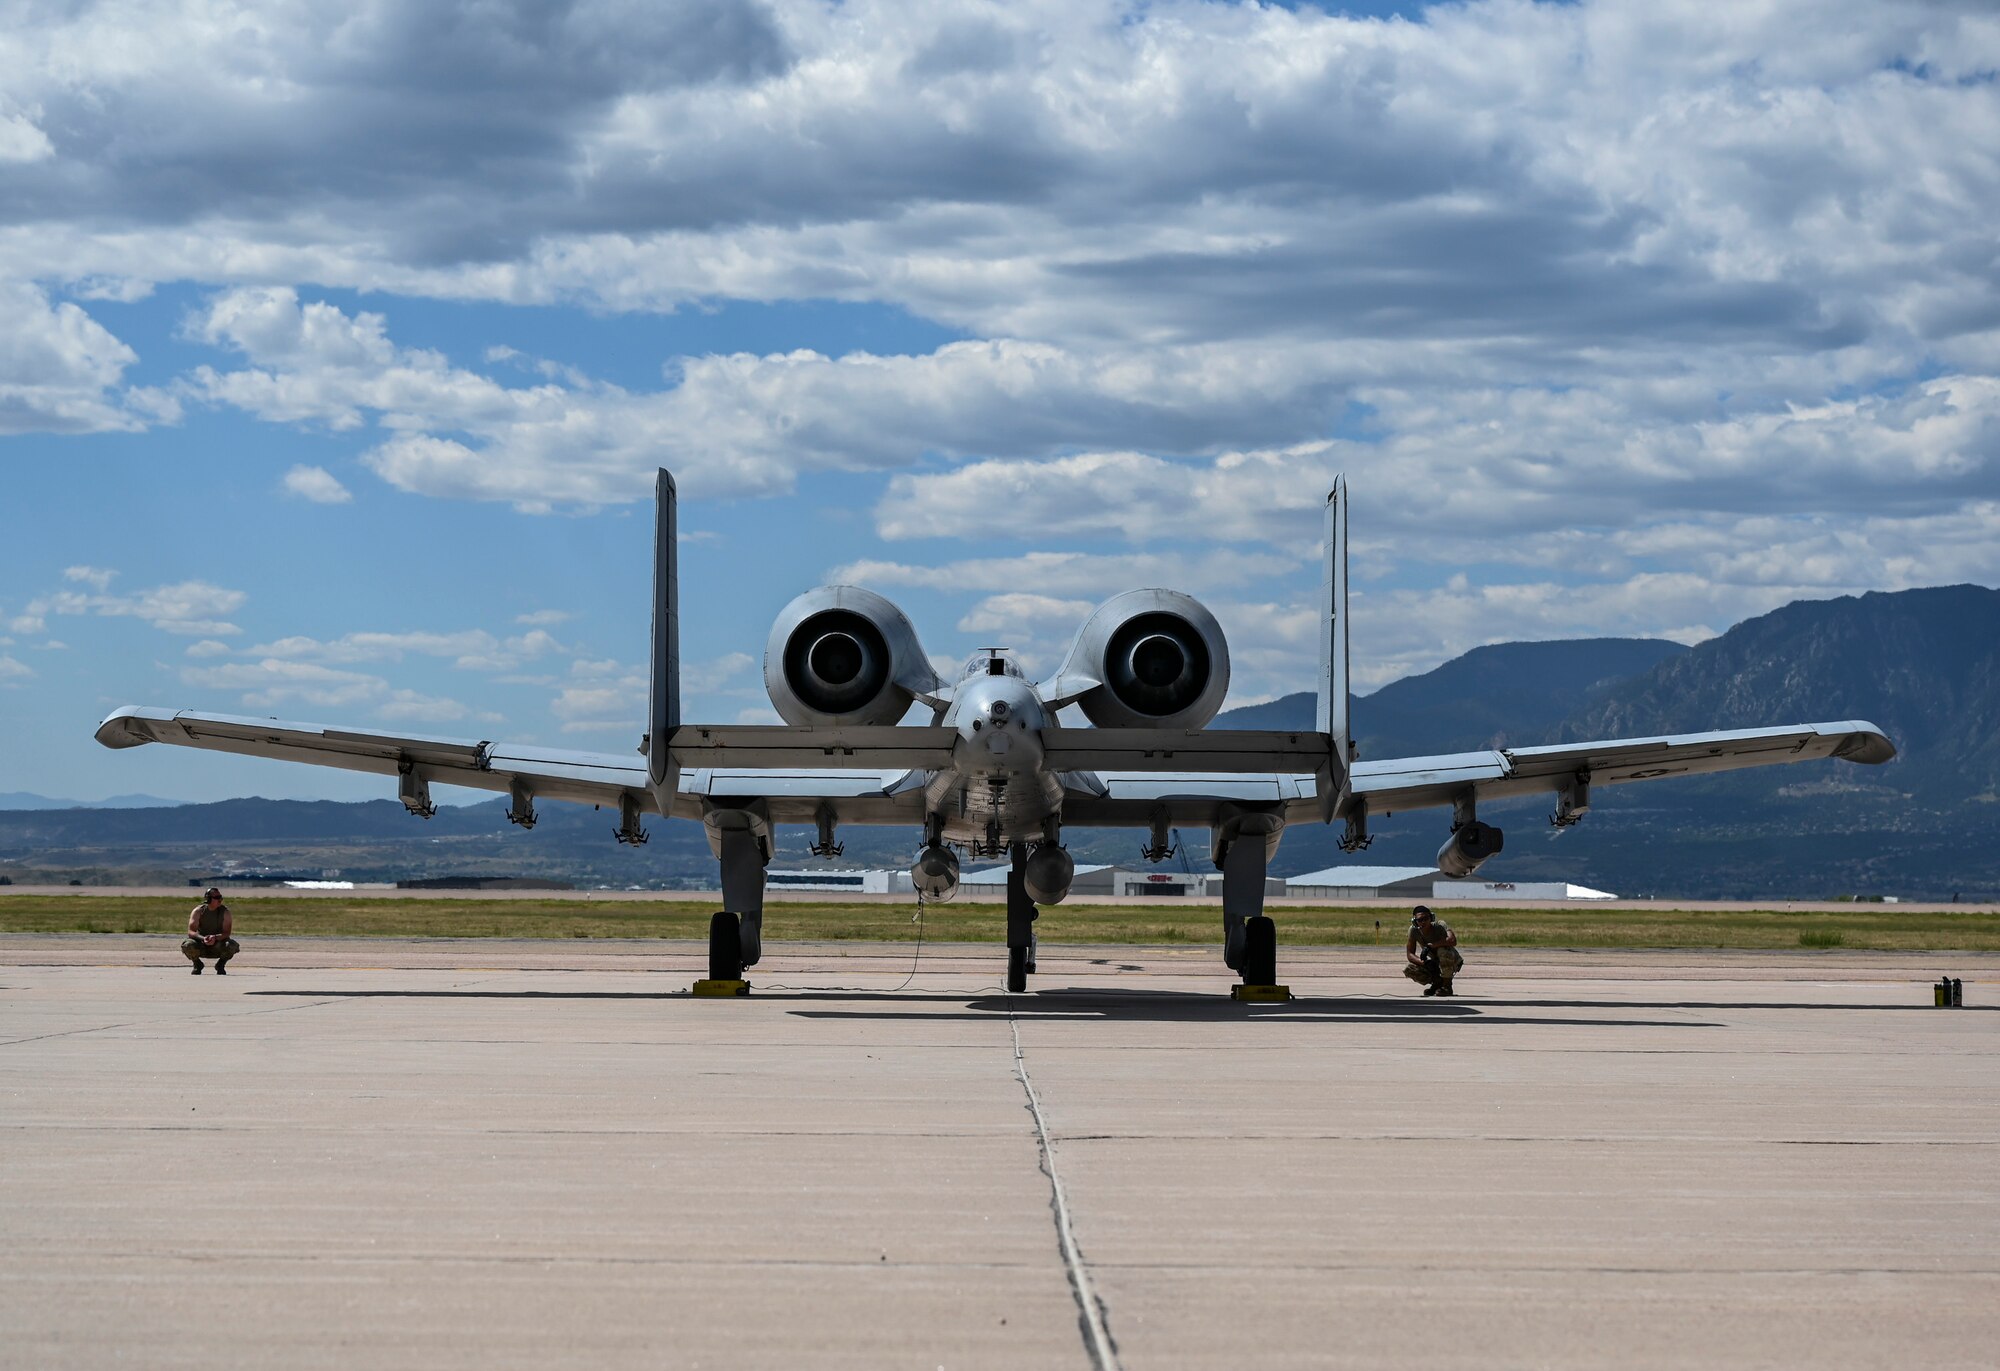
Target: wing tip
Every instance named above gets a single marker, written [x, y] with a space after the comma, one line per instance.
[1865, 743]
[124, 728]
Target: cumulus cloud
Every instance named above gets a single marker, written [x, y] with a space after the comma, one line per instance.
[1577, 295]
[316, 484]
[60, 371]
[740, 424]
[97, 578]
[468, 649]
[21, 140]
[1073, 573]
[13, 672]
[603, 695]
[194, 608]
[273, 683]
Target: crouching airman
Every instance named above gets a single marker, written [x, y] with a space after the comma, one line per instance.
[209, 927]
[1432, 952]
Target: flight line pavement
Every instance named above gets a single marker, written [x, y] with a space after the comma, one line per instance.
[498, 1154]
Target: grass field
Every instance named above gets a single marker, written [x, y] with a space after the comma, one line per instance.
[1871, 927]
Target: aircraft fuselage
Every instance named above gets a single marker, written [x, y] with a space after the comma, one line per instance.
[998, 789]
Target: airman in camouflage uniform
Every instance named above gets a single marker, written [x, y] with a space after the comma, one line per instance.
[1432, 952]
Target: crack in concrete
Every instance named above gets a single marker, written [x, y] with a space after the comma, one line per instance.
[1091, 1319]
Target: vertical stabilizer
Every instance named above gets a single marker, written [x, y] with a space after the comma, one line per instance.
[1331, 718]
[663, 704]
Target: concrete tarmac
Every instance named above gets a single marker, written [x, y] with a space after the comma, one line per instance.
[497, 1154]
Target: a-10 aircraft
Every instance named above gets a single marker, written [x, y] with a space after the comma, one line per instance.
[994, 773]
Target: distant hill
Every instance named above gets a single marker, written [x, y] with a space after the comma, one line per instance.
[1497, 696]
[1922, 664]
[22, 799]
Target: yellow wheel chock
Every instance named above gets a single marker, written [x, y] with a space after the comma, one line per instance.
[1260, 994]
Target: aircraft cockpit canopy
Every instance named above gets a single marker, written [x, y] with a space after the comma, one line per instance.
[988, 662]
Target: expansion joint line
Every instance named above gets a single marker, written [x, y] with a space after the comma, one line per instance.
[1090, 1310]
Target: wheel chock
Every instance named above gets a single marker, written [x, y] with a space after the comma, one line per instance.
[1260, 994]
[717, 990]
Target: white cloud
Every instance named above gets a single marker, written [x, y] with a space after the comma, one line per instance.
[511, 653]
[1036, 627]
[730, 425]
[189, 607]
[13, 672]
[1597, 301]
[1058, 573]
[710, 677]
[407, 706]
[603, 695]
[59, 369]
[21, 140]
[207, 647]
[97, 578]
[272, 683]
[316, 484]
[544, 618]
[472, 649]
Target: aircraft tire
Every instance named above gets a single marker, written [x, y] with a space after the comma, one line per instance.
[1260, 951]
[1017, 970]
[725, 947]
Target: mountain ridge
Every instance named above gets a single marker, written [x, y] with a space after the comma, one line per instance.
[1923, 665]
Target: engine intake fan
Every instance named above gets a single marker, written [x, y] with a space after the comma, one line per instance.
[843, 655]
[1146, 659]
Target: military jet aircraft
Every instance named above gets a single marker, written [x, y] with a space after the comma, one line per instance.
[995, 773]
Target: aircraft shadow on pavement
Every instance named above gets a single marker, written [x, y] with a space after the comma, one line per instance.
[1136, 1006]
[1180, 1006]
[477, 994]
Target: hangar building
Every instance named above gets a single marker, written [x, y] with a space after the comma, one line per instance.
[1365, 883]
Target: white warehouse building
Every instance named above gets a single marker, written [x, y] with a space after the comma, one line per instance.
[1364, 883]
[853, 881]
[1425, 883]
[1516, 890]
[1097, 879]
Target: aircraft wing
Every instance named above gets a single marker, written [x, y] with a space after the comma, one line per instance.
[859, 770]
[1429, 782]
[881, 747]
[1151, 785]
[1195, 751]
[587, 777]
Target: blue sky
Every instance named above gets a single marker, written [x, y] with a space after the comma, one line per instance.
[337, 345]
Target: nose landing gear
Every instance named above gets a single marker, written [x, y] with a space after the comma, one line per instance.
[1021, 916]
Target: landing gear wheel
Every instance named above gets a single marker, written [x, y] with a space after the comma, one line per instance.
[1260, 951]
[1017, 970]
[725, 947]
[1032, 940]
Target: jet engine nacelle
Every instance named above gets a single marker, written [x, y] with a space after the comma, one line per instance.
[935, 873]
[1466, 850]
[1147, 659]
[844, 655]
[1047, 876]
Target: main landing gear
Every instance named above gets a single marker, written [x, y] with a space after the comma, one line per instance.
[1244, 842]
[740, 837]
